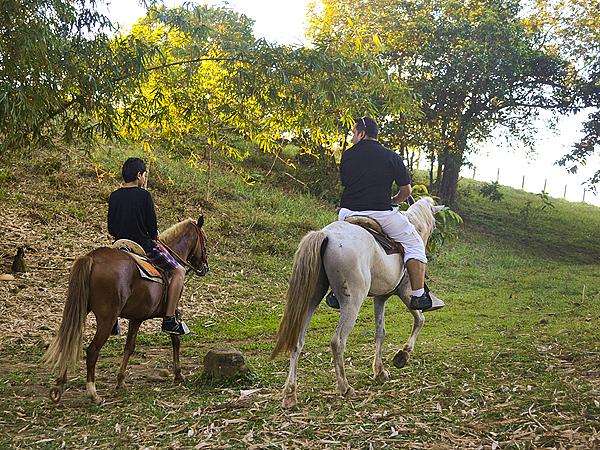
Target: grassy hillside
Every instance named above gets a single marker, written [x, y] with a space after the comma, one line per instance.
[513, 361]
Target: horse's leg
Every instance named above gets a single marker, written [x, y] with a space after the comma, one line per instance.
[379, 371]
[134, 326]
[176, 342]
[348, 315]
[401, 357]
[104, 327]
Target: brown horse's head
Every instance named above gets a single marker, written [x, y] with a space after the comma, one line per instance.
[198, 257]
[187, 241]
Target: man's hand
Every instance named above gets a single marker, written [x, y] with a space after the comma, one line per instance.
[403, 193]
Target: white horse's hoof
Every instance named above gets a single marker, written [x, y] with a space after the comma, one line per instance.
[383, 376]
[289, 402]
[400, 359]
[347, 392]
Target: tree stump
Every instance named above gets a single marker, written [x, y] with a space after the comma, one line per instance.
[224, 363]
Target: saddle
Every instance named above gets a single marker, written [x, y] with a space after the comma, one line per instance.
[390, 246]
[147, 270]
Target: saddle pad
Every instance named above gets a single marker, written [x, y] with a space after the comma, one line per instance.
[146, 269]
[390, 246]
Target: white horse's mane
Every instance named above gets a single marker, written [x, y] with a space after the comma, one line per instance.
[420, 215]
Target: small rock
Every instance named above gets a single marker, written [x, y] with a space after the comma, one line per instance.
[224, 363]
[544, 322]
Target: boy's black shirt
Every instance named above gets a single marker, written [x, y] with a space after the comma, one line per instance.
[131, 215]
[367, 171]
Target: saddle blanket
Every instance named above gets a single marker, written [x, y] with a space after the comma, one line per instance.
[146, 269]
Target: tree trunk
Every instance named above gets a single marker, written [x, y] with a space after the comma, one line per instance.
[449, 183]
[431, 166]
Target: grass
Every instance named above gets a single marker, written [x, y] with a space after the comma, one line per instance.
[512, 362]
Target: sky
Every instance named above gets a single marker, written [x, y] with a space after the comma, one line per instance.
[284, 21]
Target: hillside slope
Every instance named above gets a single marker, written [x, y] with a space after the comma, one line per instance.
[512, 361]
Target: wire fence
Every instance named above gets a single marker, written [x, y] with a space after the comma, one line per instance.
[574, 192]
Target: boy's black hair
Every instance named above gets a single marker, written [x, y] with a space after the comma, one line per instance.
[131, 167]
[368, 125]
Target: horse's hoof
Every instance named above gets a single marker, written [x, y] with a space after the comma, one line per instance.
[97, 400]
[400, 359]
[289, 402]
[349, 392]
[383, 376]
[121, 387]
[56, 394]
[179, 378]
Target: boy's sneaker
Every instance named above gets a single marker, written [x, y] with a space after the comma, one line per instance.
[172, 326]
[332, 300]
[116, 329]
[426, 302]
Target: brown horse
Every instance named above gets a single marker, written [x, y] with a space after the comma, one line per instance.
[107, 282]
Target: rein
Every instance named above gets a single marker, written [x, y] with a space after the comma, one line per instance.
[179, 259]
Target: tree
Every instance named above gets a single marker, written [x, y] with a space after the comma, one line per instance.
[212, 82]
[61, 74]
[576, 29]
[472, 65]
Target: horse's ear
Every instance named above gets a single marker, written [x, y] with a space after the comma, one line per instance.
[437, 209]
[201, 221]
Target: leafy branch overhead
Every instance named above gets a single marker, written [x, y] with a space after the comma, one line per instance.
[439, 75]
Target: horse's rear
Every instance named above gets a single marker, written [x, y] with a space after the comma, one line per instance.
[105, 281]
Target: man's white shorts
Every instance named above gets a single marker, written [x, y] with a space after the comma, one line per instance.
[398, 228]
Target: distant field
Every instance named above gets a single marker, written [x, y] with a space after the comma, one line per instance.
[512, 362]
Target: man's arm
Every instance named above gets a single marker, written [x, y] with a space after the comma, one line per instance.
[403, 193]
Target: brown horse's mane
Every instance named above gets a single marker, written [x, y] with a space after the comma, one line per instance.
[174, 231]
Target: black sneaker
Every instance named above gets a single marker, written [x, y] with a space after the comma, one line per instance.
[332, 300]
[420, 303]
[116, 329]
[426, 302]
[172, 326]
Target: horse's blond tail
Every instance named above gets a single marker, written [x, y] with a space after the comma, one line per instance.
[65, 349]
[303, 283]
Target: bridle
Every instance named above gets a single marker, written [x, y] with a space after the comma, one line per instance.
[182, 261]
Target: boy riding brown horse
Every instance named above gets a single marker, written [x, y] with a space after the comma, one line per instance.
[107, 282]
[131, 215]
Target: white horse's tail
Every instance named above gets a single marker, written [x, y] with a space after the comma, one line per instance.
[303, 284]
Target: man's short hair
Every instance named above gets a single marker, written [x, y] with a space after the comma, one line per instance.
[131, 167]
[368, 125]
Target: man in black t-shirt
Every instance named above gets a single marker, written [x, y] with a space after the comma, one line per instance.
[367, 172]
[131, 215]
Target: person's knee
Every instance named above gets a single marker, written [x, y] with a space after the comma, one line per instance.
[418, 260]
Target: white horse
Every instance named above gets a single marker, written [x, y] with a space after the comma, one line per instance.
[347, 258]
